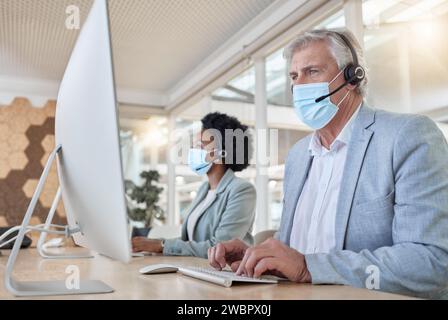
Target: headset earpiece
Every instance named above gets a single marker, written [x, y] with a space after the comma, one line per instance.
[354, 74]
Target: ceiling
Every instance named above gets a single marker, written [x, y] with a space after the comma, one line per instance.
[156, 43]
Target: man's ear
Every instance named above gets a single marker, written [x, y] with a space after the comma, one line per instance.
[351, 87]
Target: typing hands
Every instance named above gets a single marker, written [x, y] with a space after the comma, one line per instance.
[270, 257]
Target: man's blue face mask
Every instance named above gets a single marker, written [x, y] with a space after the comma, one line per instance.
[315, 114]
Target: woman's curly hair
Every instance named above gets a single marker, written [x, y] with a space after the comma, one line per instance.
[229, 127]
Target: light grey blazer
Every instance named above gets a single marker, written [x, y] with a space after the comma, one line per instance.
[230, 215]
[392, 210]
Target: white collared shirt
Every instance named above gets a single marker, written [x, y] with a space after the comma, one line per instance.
[313, 229]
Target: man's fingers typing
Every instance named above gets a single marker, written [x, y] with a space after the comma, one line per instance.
[255, 256]
[265, 265]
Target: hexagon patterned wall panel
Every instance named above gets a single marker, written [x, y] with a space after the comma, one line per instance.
[26, 140]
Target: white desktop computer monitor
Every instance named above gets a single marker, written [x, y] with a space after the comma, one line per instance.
[89, 163]
[90, 166]
[89, 160]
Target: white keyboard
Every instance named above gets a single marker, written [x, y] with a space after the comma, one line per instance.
[223, 278]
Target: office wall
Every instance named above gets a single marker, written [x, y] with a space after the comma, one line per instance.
[26, 140]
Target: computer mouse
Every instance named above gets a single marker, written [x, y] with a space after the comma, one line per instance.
[158, 268]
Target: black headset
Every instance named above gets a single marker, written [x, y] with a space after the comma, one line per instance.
[353, 72]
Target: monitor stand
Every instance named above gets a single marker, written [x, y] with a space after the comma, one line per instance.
[45, 288]
[48, 254]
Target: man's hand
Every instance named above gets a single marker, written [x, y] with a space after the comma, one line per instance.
[228, 252]
[274, 257]
[145, 244]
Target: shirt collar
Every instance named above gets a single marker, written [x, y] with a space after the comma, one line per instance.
[317, 149]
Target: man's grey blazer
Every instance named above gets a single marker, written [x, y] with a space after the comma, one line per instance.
[230, 215]
[392, 209]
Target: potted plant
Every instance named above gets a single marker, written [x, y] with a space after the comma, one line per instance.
[142, 202]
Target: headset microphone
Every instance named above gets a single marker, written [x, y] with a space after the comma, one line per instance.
[332, 92]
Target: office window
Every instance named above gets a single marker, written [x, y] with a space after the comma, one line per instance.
[239, 89]
[277, 80]
[143, 147]
[407, 54]
[235, 98]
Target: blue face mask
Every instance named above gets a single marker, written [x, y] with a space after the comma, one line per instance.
[315, 114]
[197, 161]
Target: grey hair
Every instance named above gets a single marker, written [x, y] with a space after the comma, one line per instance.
[338, 48]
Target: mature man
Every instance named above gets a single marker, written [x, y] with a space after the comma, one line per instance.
[366, 195]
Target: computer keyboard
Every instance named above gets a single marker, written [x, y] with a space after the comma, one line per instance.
[223, 278]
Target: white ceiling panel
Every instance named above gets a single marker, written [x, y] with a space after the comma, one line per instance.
[155, 42]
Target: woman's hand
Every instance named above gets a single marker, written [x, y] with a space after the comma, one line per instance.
[144, 244]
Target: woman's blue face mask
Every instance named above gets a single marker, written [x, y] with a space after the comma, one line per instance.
[315, 114]
[197, 161]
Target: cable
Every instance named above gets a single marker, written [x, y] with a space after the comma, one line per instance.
[48, 231]
[29, 229]
[7, 233]
[13, 229]
[12, 239]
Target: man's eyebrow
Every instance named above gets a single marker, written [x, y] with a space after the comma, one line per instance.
[311, 66]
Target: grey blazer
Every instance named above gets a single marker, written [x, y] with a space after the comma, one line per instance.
[392, 211]
[230, 215]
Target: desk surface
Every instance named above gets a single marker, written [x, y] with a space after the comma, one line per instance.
[130, 284]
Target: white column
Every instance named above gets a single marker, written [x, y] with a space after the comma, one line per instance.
[404, 71]
[172, 213]
[154, 156]
[353, 19]
[262, 221]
